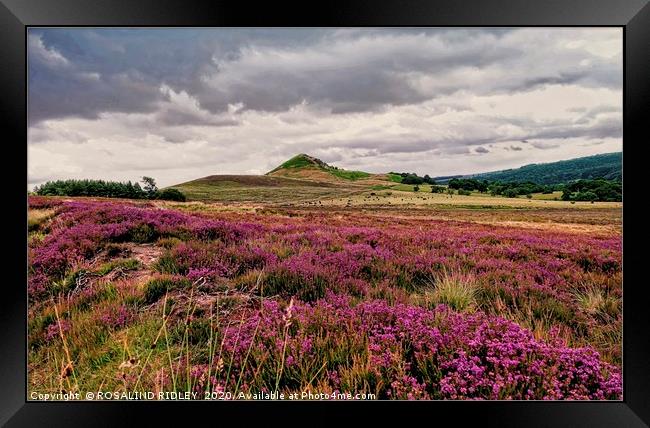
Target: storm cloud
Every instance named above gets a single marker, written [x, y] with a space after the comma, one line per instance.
[183, 103]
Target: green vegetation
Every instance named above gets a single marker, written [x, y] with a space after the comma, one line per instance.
[607, 166]
[411, 178]
[394, 177]
[108, 189]
[593, 190]
[510, 189]
[122, 264]
[264, 188]
[459, 292]
[300, 161]
[582, 190]
[468, 184]
[349, 175]
[514, 189]
[309, 162]
[171, 195]
[157, 287]
[380, 187]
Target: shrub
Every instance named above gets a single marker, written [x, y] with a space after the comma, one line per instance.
[143, 233]
[170, 195]
[437, 189]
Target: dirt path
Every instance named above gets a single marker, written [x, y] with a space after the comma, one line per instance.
[146, 254]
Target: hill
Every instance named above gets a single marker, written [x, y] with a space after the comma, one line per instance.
[255, 188]
[303, 166]
[305, 178]
[606, 165]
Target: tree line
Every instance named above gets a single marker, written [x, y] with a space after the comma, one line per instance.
[600, 190]
[109, 189]
[593, 190]
[413, 178]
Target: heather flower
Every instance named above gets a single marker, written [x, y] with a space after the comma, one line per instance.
[54, 330]
[116, 317]
[342, 291]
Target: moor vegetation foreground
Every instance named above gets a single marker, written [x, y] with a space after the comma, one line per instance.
[417, 304]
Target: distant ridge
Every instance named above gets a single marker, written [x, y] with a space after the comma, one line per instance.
[607, 165]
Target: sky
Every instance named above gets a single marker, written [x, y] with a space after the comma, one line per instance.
[178, 104]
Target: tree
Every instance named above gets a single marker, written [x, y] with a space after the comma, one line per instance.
[454, 183]
[171, 195]
[412, 179]
[150, 187]
[510, 193]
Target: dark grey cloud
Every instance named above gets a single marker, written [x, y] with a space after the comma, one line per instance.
[481, 149]
[84, 72]
[182, 118]
[606, 128]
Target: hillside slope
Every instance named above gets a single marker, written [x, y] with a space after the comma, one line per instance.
[256, 188]
[606, 165]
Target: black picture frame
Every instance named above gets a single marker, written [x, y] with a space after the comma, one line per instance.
[17, 15]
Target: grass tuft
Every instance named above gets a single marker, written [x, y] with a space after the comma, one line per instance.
[454, 290]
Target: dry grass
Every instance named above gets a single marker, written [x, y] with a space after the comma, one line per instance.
[456, 290]
[394, 197]
[596, 301]
[37, 217]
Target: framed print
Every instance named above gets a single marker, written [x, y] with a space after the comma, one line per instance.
[324, 211]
